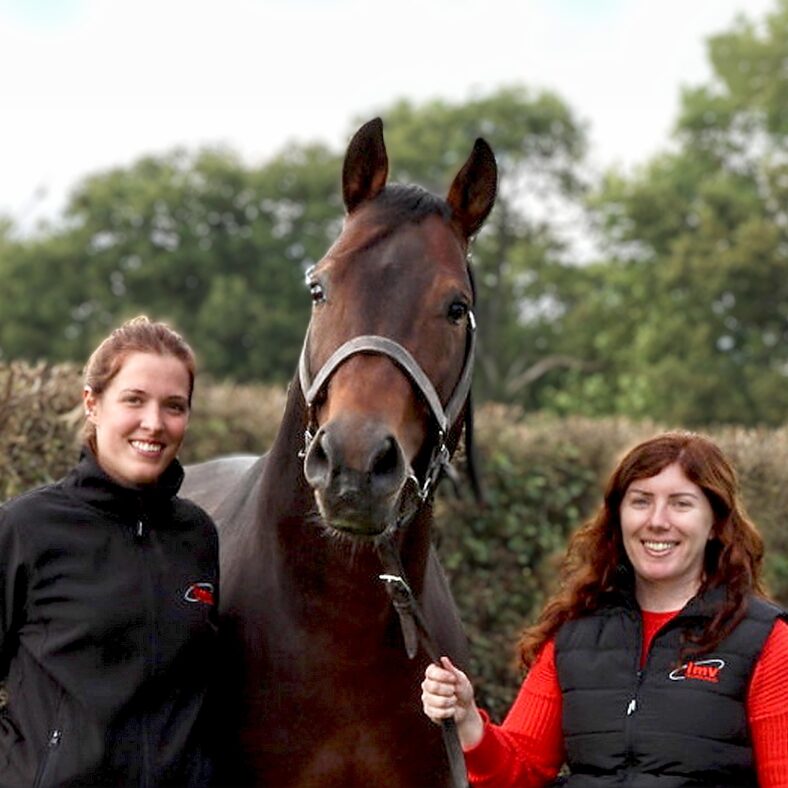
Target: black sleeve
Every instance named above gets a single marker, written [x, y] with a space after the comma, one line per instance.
[13, 588]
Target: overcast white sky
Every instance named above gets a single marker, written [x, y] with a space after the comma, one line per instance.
[90, 84]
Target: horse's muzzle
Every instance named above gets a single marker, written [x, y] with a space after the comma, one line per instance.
[357, 474]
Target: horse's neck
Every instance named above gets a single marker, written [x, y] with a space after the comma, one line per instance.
[283, 488]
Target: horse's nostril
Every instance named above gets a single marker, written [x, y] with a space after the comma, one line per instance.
[321, 454]
[317, 464]
[387, 467]
[385, 460]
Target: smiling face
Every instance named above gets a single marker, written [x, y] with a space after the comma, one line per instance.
[141, 417]
[666, 522]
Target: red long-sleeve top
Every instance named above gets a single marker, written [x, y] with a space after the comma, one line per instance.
[527, 750]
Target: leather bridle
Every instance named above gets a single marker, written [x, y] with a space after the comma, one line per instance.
[445, 416]
[412, 622]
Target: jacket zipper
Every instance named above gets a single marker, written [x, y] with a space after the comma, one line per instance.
[631, 709]
[53, 742]
[141, 537]
[630, 723]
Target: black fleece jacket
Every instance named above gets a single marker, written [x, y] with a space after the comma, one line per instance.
[108, 623]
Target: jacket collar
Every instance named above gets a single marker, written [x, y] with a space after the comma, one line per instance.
[702, 605]
[706, 604]
[88, 482]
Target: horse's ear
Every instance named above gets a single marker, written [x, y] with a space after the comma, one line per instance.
[366, 166]
[472, 192]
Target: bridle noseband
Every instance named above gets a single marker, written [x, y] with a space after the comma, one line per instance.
[445, 416]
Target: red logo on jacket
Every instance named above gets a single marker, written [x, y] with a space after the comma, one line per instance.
[703, 670]
[200, 592]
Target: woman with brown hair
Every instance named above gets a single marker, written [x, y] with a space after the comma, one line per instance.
[108, 589]
[660, 661]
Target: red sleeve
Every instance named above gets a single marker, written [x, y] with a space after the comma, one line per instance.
[527, 749]
[767, 710]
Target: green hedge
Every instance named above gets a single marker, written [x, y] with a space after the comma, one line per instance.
[542, 478]
[39, 413]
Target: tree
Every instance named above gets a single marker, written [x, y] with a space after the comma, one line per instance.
[35, 296]
[217, 249]
[688, 321]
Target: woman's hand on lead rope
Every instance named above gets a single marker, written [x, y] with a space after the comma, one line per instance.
[447, 693]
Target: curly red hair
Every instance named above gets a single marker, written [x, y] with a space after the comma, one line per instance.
[596, 565]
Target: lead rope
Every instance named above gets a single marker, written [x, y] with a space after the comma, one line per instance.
[415, 630]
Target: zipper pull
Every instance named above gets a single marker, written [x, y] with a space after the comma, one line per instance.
[632, 707]
[54, 737]
[140, 529]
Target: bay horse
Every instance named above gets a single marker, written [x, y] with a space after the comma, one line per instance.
[317, 687]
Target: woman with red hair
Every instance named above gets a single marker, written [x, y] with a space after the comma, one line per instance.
[660, 661]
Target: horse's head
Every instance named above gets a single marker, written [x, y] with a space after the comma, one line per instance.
[387, 359]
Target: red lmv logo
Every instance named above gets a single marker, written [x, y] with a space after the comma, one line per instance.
[200, 592]
[703, 670]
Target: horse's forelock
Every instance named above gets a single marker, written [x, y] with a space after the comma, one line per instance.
[396, 205]
[410, 203]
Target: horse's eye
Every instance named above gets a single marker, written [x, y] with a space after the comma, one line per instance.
[316, 291]
[457, 311]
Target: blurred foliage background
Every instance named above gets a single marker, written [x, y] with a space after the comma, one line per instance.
[608, 305]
